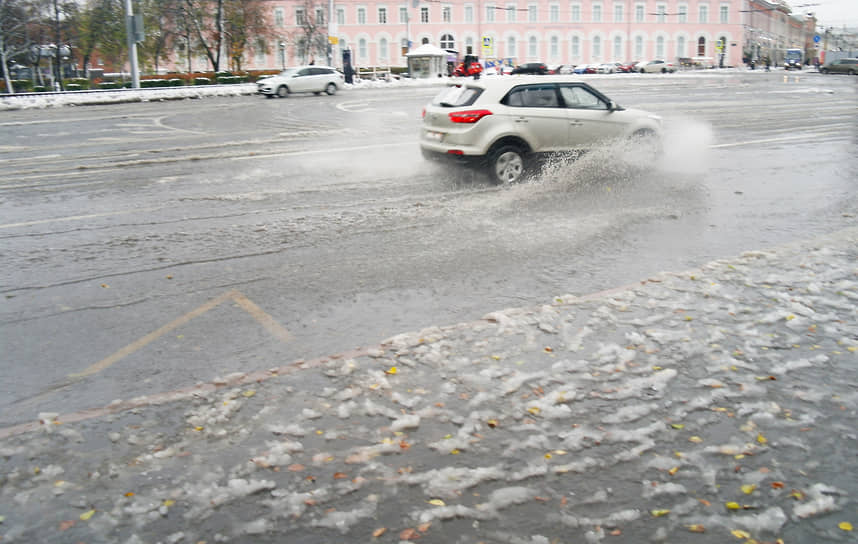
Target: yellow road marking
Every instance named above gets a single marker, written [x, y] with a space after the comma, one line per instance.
[242, 301]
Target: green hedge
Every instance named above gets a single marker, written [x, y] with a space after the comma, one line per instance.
[202, 81]
[112, 85]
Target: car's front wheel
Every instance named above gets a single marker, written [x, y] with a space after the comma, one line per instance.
[283, 91]
[507, 164]
[331, 89]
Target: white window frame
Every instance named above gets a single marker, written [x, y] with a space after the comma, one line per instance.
[618, 47]
[596, 50]
[382, 15]
[532, 47]
[532, 13]
[619, 13]
[447, 14]
[424, 14]
[279, 17]
[661, 10]
[703, 14]
[341, 16]
[403, 14]
[361, 15]
[510, 13]
[682, 9]
[469, 13]
[490, 13]
[597, 13]
[724, 14]
[299, 16]
[554, 13]
[554, 47]
[640, 13]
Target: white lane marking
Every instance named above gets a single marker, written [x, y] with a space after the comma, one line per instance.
[353, 107]
[806, 136]
[326, 151]
[77, 217]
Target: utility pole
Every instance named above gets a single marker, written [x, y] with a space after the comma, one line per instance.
[131, 31]
[58, 51]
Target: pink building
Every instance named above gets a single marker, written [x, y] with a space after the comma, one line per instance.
[378, 32]
[551, 31]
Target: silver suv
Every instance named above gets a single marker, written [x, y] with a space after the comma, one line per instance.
[301, 79]
[503, 123]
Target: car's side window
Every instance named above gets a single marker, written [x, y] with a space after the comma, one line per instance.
[532, 96]
[304, 72]
[581, 98]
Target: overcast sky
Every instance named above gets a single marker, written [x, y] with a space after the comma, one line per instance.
[829, 12]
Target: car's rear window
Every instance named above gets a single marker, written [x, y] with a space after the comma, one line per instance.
[455, 96]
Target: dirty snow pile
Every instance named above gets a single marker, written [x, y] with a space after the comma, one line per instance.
[715, 405]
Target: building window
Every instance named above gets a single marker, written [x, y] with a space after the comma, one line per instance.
[575, 12]
[279, 19]
[424, 15]
[341, 16]
[446, 14]
[469, 14]
[576, 47]
[725, 15]
[362, 52]
[639, 13]
[554, 13]
[403, 15]
[469, 45]
[618, 13]
[447, 42]
[510, 47]
[532, 47]
[260, 52]
[701, 47]
[510, 13]
[490, 13]
[703, 14]
[661, 10]
[320, 16]
[683, 14]
[597, 13]
[597, 47]
[555, 47]
[532, 14]
[659, 47]
[299, 16]
[618, 48]
[361, 16]
[382, 16]
[638, 47]
[383, 49]
[680, 46]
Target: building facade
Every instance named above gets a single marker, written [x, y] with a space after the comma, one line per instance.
[381, 32]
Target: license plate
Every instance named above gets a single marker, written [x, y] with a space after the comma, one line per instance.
[434, 136]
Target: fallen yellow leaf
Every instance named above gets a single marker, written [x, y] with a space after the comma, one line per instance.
[696, 528]
[740, 534]
[673, 471]
[748, 489]
[732, 505]
[437, 502]
[695, 439]
[378, 532]
[762, 439]
[393, 370]
[845, 526]
[169, 502]
[86, 515]
[659, 513]
[249, 393]
[677, 426]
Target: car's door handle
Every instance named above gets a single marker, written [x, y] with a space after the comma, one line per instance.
[576, 123]
[521, 120]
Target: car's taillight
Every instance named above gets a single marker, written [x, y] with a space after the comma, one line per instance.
[470, 116]
[423, 114]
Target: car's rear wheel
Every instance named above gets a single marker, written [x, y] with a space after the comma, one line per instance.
[331, 89]
[824, 70]
[852, 72]
[283, 91]
[507, 164]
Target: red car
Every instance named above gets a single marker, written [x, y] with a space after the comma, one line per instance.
[627, 67]
[470, 67]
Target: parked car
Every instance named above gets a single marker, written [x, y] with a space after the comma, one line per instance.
[561, 69]
[841, 66]
[537, 68]
[608, 68]
[503, 125]
[302, 79]
[470, 66]
[585, 69]
[655, 66]
[627, 67]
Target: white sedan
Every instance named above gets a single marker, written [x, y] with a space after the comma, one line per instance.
[302, 79]
[655, 67]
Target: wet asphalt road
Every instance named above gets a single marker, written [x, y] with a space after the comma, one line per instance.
[150, 246]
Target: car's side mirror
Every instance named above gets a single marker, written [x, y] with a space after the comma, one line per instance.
[612, 106]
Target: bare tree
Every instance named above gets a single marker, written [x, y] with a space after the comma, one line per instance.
[15, 17]
[205, 20]
[311, 37]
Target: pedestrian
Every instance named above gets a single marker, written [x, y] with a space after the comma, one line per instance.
[312, 61]
[768, 63]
